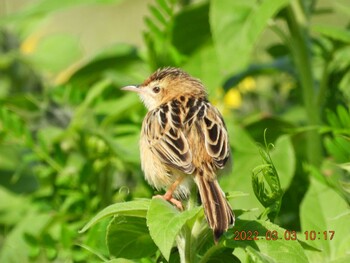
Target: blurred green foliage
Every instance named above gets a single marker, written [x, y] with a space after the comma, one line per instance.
[69, 136]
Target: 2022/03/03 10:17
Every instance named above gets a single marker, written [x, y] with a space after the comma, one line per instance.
[242, 235]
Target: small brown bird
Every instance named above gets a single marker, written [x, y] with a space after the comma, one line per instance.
[183, 138]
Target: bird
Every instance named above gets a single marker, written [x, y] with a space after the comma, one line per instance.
[184, 140]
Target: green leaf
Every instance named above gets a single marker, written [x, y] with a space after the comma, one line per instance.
[121, 59]
[333, 119]
[344, 116]
[191, 23]
[283, 157]
[223, 256]
[256, 256]
[157, 14]
[208, 73]
[136, 208]
[165, 7]
[53, 57]
[338, 147]
[236, 26]
[266, 248]
[117, 106]
[125, 234]
[245, 158]
[266, 184]
[165, 222]
[340, 60]
[94, 92]
[333, 32]
[324, 210]
[241, 140]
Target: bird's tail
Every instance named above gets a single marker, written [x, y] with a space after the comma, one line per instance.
[216, 208]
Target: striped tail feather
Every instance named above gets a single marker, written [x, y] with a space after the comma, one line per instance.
[216, 208]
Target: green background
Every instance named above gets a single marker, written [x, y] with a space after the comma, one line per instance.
[69, 135]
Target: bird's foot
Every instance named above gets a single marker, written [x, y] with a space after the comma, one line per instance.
[171, 199]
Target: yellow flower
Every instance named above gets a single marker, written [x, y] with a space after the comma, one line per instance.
[247, 84]
[233, 99]
[30, 43]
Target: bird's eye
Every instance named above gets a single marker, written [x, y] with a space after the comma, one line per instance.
[156, 89]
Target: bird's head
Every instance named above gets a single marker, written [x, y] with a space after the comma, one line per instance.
[167, 84]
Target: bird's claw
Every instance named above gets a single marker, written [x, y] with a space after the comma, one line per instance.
[172, 200]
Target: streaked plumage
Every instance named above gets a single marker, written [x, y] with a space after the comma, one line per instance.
[184, 137]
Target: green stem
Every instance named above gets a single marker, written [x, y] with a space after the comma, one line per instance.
[188, 247]
[300, 48]
[185, 243]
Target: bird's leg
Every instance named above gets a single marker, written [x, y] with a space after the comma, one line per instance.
[168, 196]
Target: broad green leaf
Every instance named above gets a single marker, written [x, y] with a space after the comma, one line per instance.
[245, 157]
[324, 210]
[192, 23]
[209, 73]
[119, 63]
[128, 237]
[222, 256]
[165, 222]
[271, 244]
[236, 26]
[283, 157]
[240, 140]
[95, 239]
[137, 208]
[256, 256]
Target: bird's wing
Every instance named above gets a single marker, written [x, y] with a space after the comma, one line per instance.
[166, 139]
[215, 135]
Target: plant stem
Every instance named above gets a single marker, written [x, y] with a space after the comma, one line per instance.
[300, 48]
[188, 237]
[185, 241]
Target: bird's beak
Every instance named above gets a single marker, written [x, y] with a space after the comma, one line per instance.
[132, 88]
